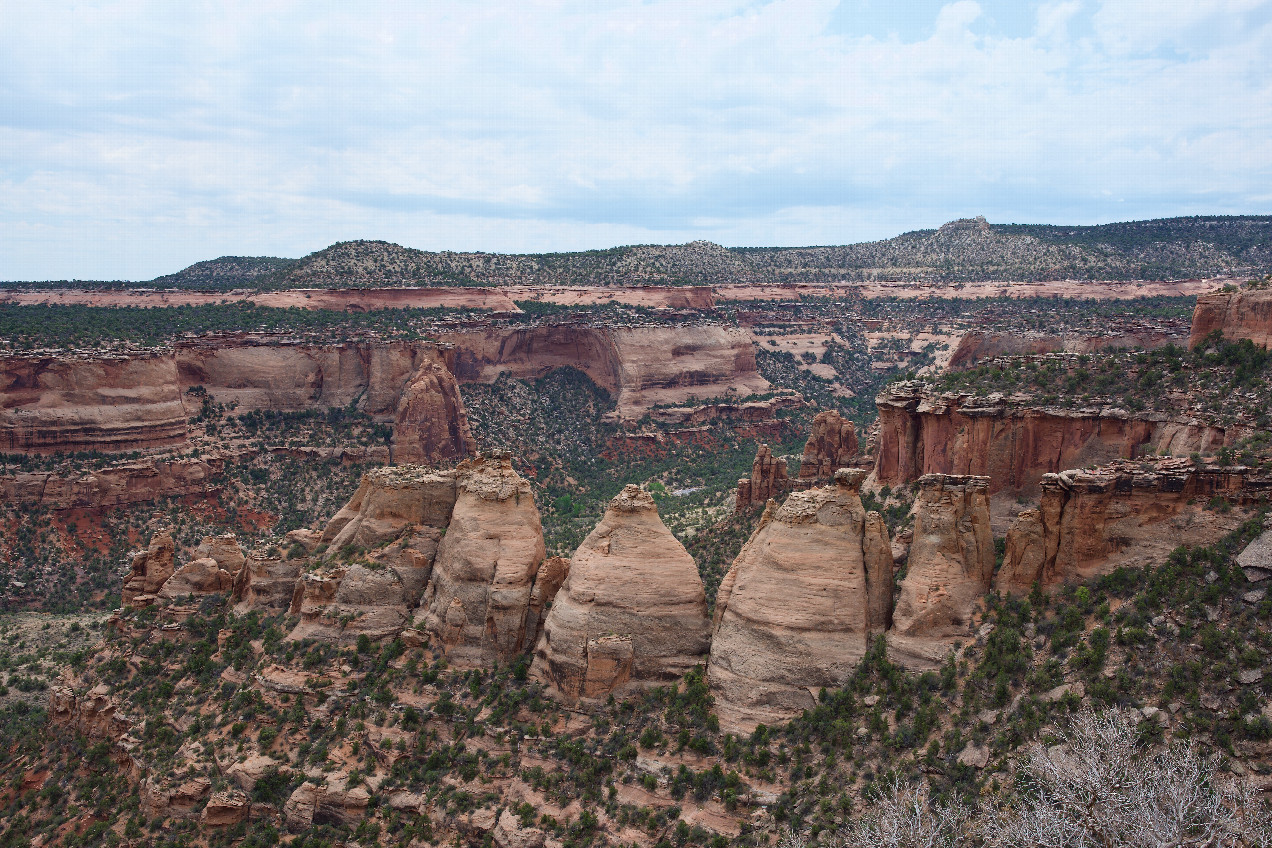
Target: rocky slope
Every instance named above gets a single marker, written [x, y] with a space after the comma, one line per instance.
[632, 612]
[798, 609]
[106, 402]
[1241, 314]
[1014, 443]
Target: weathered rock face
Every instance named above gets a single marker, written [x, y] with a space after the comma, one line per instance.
[150, 569]
[950, 568]
[547, 583]
[217, 562]
[768, 480]
[105, 402]
[430, 423]
[477, 600]
[387, 501]
[924, 433]
[1245, 314]
[831, 445]
[1125, 514]
[798, 609]
[632, 612]
[266, 582]
[982, 346]
[117, 484]
[641, 366]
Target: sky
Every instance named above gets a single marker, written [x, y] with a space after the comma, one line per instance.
[139, 137]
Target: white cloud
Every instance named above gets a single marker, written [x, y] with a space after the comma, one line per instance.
[136, 137]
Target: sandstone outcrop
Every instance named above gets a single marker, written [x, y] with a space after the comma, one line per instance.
[768, 480]
[641, 366]
[547, 583]
[483, 578]
[922, 432]
[150, 569]
[632, 612]
[217, 562]
[266, 581]
[1242, 314]
[1124, 514]
[979, 347]
[950, 567]
[430, 423]
[117, 484]
[83, 402]
[831, 445]
[799, 607]
[388, 501]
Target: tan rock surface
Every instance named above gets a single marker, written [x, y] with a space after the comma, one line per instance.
[430, 423]
[197, 577]
[476, 603]
[1245, 314]
[387, 501]
[226, 808]
[950, 567]
[632, 613]
[831, 445]
[798, 609]
[150, 568]
[266, 582]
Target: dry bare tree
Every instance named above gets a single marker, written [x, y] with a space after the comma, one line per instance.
[903, 815]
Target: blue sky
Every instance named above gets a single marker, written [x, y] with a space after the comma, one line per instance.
[138, 137]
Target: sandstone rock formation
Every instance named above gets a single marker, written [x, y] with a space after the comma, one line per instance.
[266, 581]
[547, 583]
[81, 402]
[150, 569]
[117, 484]
[1124, 514]
[1243, 314]
[387, 501]
[430, 423]
[921, 432]
[799, 607]
[217, 562]
[632, 612]
[641, 366]
[831, 445]
[768, 480]
[950, 567]
[978, 347]
[477, 600]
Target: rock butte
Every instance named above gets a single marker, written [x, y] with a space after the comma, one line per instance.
[478, 599]
[632, 612]
[799, 607]
[922, 432]
[950, 568]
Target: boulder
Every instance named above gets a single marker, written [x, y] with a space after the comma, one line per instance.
[476, 603]
[632, 612]
[150, 568]
[799, 607]
[197, 577]
[950, 568]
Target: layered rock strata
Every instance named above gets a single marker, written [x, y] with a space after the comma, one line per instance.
[118, 484]
[950, 567]
[1242, 314]
[921, 432]
[768, 480]
[84, 402]
[477, 601]
[1124, 514]
[632, 612]
[799, 607]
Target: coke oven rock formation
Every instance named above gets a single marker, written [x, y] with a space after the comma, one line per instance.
[641, 366]
[632, 612]
[1244, 314]
[799, 607]
[950, 568]
[831, 445]
[477, 601]
[150, 569]
[1089, 523]
[922, 432]
[82, 402]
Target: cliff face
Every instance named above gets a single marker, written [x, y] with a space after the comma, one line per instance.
[632, 612]
[1125, 514]
[950, 567]
[641, 366]
[103, 402]
[797, 610]
[831, 445]
[117, 484]
[1238, 315]
[927, 433]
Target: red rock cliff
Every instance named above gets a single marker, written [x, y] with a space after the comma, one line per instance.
[1245, 314]
[104, 402]
[1014, 445]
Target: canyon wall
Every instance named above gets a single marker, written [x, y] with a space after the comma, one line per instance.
[1089, 523]
[84, 402]
[1243, 314]
[118, 484]
[980, 346]
[643, 366]
[922, 432]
